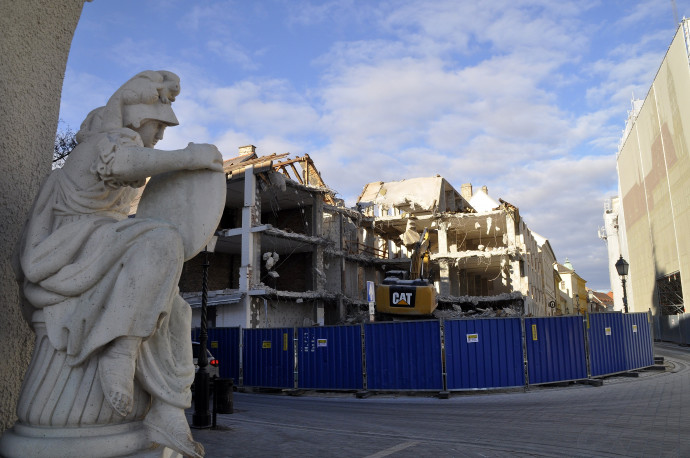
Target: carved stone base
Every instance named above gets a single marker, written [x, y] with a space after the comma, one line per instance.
[126, 439]
[63, 413]
[55, 394]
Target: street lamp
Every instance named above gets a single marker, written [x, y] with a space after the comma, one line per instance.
[201, 417]
[622, 269]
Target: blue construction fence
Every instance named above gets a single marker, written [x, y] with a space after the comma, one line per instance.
[436, 355]
[224, 344]
[672, 328]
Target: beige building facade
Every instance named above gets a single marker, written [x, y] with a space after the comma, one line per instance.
[550, 278]
[654, 187]
[572, 288]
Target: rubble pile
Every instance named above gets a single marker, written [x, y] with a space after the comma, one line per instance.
[457, 312]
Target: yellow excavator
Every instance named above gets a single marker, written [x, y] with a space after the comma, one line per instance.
[408, 293]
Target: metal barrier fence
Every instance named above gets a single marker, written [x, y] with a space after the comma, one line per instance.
[639, 343]
[555, 349]
[268, 358]
[484, 353]
[330, 358]
[606, 337]
[403, 355]
[672, 328]
[224, 344]
[466, 354]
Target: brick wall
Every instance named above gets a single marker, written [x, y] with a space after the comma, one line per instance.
[295, 273]
[295, 220]
[223, 272]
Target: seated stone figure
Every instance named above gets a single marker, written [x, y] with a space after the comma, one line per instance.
[105, 285]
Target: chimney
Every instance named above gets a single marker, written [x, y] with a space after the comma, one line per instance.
[249, 149]
[486, 190]
[466, 191]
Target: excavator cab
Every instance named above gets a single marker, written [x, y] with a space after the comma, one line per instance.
[407, 293]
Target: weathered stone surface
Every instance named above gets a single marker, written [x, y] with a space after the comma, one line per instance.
[35, 37]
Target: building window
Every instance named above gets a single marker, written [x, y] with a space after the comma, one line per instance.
[670, 294]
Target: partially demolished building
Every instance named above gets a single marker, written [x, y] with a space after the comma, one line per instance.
[289, 253]
[484, 257]
[267, 266]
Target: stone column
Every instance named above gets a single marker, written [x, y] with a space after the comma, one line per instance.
[444, 266]
[250, 267]
[319, 273]
[512, 243]
[35, 38]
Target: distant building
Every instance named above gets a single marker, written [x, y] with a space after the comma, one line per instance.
[599, 302]
[551, 278]
[611, 233]
[572, 288]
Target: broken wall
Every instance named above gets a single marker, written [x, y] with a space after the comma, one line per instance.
[276, 313]
[330, 227]
[334, 270]
[227, 316]
[351, 285]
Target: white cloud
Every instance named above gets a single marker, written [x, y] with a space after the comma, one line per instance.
[232, 53]
[260, 107]
[526, 96]
[207, 16]
[644, 11]
[304, 13]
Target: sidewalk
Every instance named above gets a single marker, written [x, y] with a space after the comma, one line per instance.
[644, 416]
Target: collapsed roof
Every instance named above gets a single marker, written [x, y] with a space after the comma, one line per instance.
[415, 195]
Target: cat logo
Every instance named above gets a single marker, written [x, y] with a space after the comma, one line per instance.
[401, 298]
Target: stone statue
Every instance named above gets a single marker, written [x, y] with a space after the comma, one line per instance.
[112, 367]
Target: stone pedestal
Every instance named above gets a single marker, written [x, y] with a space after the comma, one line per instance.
[63, 413]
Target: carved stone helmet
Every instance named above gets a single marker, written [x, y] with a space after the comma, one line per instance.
[148, 95]
[154, 92]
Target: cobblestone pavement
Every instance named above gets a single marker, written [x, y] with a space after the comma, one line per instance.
[645, 416]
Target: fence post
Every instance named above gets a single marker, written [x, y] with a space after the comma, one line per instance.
[295, 361]
[364, 357]
[650, 321]
[241, 359]
[585, 329]
[442, 336]
[525, 359]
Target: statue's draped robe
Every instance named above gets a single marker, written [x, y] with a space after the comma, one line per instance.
[80, 263]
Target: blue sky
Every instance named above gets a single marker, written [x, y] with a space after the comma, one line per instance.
[527, 97]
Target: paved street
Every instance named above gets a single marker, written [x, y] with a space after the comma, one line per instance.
[645, 416]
